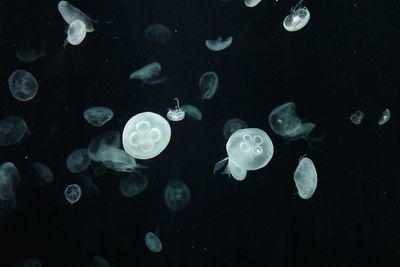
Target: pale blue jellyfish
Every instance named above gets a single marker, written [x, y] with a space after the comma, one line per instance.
[23, 85]
[157, 33]
[101, 142]
[76, 32]
[152, 242]
[192, 112]
[176, 195]
[71, 13]
[385, 116]
[12, 130]
[29, 53]
[208, 84]
[219, 44]
[98, 116]
[78, 160]
[133, 185]
[73, 193]
[305, 178]
[357, 117]
[251, 3]
[147, 72]
[297, 19]
[9, 179]
[44, 174]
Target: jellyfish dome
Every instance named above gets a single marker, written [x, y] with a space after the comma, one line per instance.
[76, 32]
[146, 135]
[297, 19]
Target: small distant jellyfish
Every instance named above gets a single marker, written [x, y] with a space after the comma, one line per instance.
[12, 130]
[357, 117]
[147, 73]
[305, 178]
[133, 185]
[73, 193]
[98, 261]
[78, 160]
[44, 174]
[146, 135]
[23, 85]
[176, 114]
[152, 242]
[29, 54]
[208, 84]
[232, 125]
[9, 179]
[76, 32]
[30, 263]
[71, 13]
[157, 33]
[176, 195]
[297, 19]
[219, 44]
[385, 117]
[98, 116]
[251, 3]
[192, 112]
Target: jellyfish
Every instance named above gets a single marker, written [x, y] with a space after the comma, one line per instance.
[251, 3]
[147, 73]
[98, 116]
[30, 263]
[133, 185]
[219, 44]
[23, 85]
[192, 112]
[98, 261]
[76, 32]
[9, 179]
[232, 125]
[102, 141]
[176, 114]
[78, 160]
[248, 149]
[29, 54]
[157, 33]
[71, 13]
[146, 135]
[12, 130]
[73, 193]
[44, 174]
[176, 195]
[117, 159]
[297, 19]
[305, 178]
[385, 116]
[152, 242]
[357, 117]
[208, 84]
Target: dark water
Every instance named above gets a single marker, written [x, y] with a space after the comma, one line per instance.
[345, 59]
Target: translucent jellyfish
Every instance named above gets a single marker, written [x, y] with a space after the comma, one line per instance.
[146, 73]
[192, 112]
[176, 195]
[297, 19]
[30, 263]
[102, 141]
[98, 261]
[12, 130]
[44, 174]
[251, 3]
[98, 116]
[208, 84]
[133, 185]
[76, 32]
[117, 159]
[71, 13]
[305, 178]
[23, 85]
[232, 125]
[157, 33]
[73, 193]
[176, 114]
[78, 160]
[357, 117]
[248, 149]
[219, 44]
[152, 242]
[146, 135]
[9, 179]
[385, 117]
[29, 54]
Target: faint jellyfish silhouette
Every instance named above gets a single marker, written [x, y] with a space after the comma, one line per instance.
[71, 13]
[9, 179]
[357, 117]
[29, 53]
[157, 33]
[305, 178]
[192, 112]
[101, 142]
[29, 263]
[385, 116]
[78, 160]
[232, 125]
[251, 3]
[147, 72]
[98, 116]
[297, 19]
[72, 193]
[152, 242]
[146, 135]
[219, 44]
[176, 114]
[98, 261]
[12, 130]
[44, 174]
[76, 32]
[23, 85]
[176, 195]
[133, 185]
[208, 84]
[117, 159]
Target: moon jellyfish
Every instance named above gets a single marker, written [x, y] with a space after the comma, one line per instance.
[12, 130]
[76, 32]
[78, 160]
[176, 195]
[71, 13]
[9, 179]
[23, 85]
[44, 174]
[385, 117]
[305, 178]
[192, 112]
[219, 44]
[133, 185]
[357, 117]
[98, 261]
[30, 263]
[98, 116]
[248, 149]
[152, 242]
[146, 73]
[176, 114]
[208, 84]
[251, 3]
[232, 125]
[29, 54]
[297, 19]
[101, 141]
[117, 159]
[72, 193]
[146, 135]
[157, 33]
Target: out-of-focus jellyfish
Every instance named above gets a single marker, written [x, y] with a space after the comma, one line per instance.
[305, 178]
[177, 195]
[232, 125]
[357, 117]
[98, 116]
[176, 114]
[133, 185]
[157, 33]
[78, 160]
[297, 19]
[101, 141]
[146, 73]
[29, 54]
[192, 112]
[251, 3]
[71, 13]
[208, 84]
[12, 130]
[146, 135]
[76, 32]
[9, 179]
[98, 261]
[44, 174]
[117, 159]
[219, 44]
[385, 116]
[73, 193]
[248, 149]
[23, 85]
[152, 242]
[29, 263]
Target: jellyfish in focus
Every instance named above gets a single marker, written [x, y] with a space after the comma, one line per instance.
[192, 112]
[23, 85]
[297, 19]
[147, 72]
[76, 32]
[71, 13]
[219, 44]
[305, 178]
[385, 116]
[44, 174]
[232, 125]
[98, 261]
[146, 135]
[176, 195]
[208, 84]
[9, 179]
[73, 193]
[152, 242]
[176, 114]
[30, 263]
[78, 160]
[251, 3]
[12, 130]
[357, 117]
[157, 33]
[133, 185]
[29, 54]
[98, 116]
[101, 142]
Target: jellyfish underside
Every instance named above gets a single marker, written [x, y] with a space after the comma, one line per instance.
[357, 117]
[176, 114]
[297, 19]
[208, 84]
[192, 112]
[219, 44]
[73, 193]
[177, 195]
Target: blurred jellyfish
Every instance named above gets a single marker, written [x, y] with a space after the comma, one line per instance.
[30, 263]
[152, 242]
[12, 130]
[23, 85]
[71, 13]
[98, 116]
[297, 19]
[117, 159]
[385, 117]
[357, 117]
[157, 33]
[73, 193]
[44, 174]
[76, 32]
[133, 185]
[176, 114]
[78, 160]
[251, 3]
[29, 53]
[98, 261]
[219, 44]
[232, 125]
[9, 179]
[147, 72]
[101, 141]
[176, 195]
[192, 112]
[208, 84]
[305, 178]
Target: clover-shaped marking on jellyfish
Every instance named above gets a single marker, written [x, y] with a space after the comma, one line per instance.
[144, 137]
[251, 144]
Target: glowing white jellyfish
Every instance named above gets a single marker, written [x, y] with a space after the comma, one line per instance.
[12, 130]
[152, 242]
[297, 19]
[71, 13]
[146, 135]
[385, 116]
[251, 3]
[177, 195]
[192, 112]
[305, 178]
[98, 116]
[219, 44]
[73, 193]
[357, 117]
[208, 84]
[176, 114]
[23, 85]
[76, 32]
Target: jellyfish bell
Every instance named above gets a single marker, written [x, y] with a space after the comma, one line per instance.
[72, 193]
[219, 44]
[76, 32]
[98, 116]
[251, 3]
[305, 177]
[357, 117]
[152, 242]
[23, 85]
[385, 116]
[176, 114]
[192, 112]
[71, 13]
[297, 19]
[208, 84]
